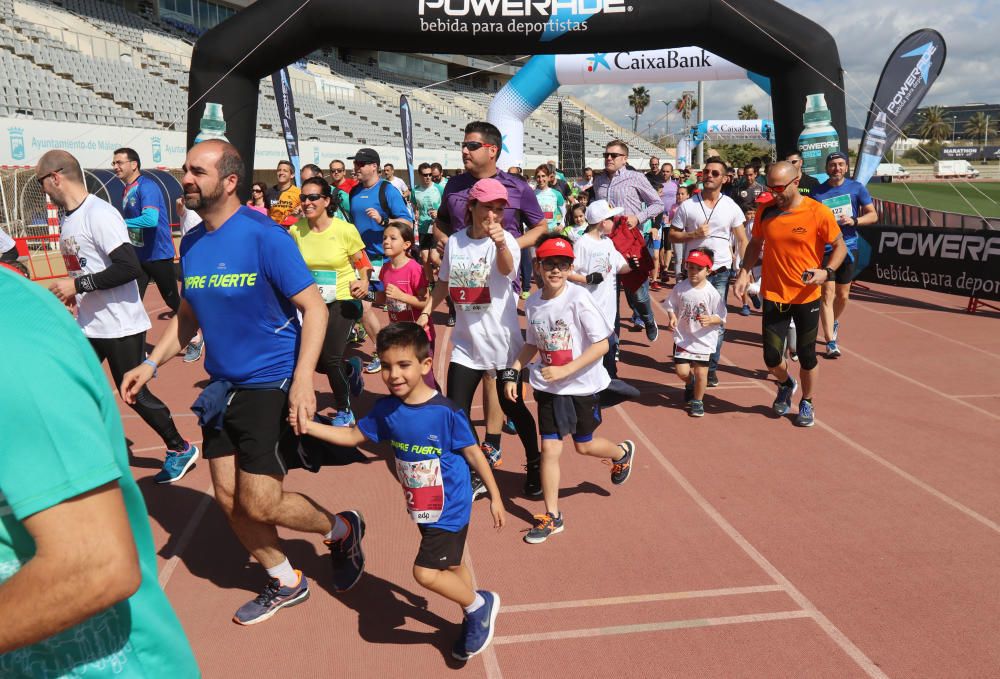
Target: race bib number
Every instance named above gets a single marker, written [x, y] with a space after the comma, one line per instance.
[470, 299]
[326, 281]
[136, 237]
[689, 356]
[557, 357]
[840, 206]
[422, 488]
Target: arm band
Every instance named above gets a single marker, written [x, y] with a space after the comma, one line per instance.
[363, 263]
[507, 375]
[152, 364]
[124, 268]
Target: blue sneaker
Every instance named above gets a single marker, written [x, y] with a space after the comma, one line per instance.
[546, 525]
[783, 401]
[355, 378]
[374, 366]
[347, 556]
[697, 408]
[194, 351]
[479, 624]
[492, 454]
[508, 426]
[271, 600]
[177, 464]
[832, 350]
[836, 330]
[343, 418]
[806, 416]
[745, 311]
[637, 322]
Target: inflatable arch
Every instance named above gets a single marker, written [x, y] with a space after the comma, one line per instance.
[542, 75]
[229, 60]
[732, 129]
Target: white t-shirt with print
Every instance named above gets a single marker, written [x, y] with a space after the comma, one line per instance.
[725, 216]
[689, 303]
[563, 328]
[487, 334]
[89, 235]
[594, 255]
[6, 242]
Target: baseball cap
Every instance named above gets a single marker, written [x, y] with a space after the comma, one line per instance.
[555, 247]
[838, 154]
[487, 190]
[600, 210]
[365, 156]
[700, 258]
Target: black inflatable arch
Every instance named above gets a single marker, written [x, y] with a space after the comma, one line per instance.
[806, 61]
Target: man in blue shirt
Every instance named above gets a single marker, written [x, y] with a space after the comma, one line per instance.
[374, 201]
[148, 222]
[244, 280]
[853, 207]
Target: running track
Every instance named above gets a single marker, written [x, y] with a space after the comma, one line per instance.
[742, 546]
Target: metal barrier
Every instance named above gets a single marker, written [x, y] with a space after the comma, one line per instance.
[901, 214]
[42, 256]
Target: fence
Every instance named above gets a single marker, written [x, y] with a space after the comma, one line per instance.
[900, 214]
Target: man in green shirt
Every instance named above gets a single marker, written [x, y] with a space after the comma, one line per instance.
[426, 201]
[78, 583]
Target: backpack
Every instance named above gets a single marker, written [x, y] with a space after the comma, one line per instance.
[383, 201]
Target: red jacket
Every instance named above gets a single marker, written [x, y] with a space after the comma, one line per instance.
[630, 242]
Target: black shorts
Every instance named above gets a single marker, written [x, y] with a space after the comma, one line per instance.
[256, 429]
[440, 549]
[843, 274]
[427, 241]
[554, 423]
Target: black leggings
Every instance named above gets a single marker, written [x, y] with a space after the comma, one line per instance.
[462, 384]
[10, 255]
[775, 320]
[343, 315]
[164, 274]
[123, 354]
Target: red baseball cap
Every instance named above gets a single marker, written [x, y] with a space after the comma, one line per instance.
[554, 247]
[700, 258]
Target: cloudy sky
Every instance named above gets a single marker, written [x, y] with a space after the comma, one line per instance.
[866, 31]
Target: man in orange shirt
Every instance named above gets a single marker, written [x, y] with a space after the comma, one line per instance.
[795, 230]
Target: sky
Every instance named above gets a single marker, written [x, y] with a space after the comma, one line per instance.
[866, 32]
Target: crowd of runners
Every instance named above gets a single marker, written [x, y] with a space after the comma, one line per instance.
[296, 280]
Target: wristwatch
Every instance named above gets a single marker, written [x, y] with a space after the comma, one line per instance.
[854, 221]
[829, 273]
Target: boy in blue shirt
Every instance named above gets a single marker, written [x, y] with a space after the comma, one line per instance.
[429, 436]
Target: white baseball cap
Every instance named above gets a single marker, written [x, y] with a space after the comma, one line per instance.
[600, 210]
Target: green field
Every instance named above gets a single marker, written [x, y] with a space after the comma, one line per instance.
[947, 197]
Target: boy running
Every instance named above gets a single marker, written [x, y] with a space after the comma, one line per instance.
[429, 436]
[571, 334]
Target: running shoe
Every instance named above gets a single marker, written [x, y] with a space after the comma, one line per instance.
[745, 311]
[654, 286]
[492, 454]
[354, 377]
[193, 351]
[806, 416]
[373, 366]
[783, 401]
[343, 418]
[622, 469]
[525, 294]
[478, 487]
[697, 408]
[836, 330]
[480, 623]
[652, 331]
[689, 392]
[533, 479]
[793, 355]
[546, 525]
[360, 334]
[832, 350]
[755, 300]
[637, 322]
[352, 336]
[177, 464]
[713, 380]
[508, 426]
[346, 554]
[271, 600]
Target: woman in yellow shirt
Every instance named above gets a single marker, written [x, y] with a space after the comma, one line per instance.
[334, 252]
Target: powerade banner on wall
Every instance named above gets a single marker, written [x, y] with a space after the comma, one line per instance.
[908, 74]
[286, 111]
[954, 261]
[230, 59]
[406, 120]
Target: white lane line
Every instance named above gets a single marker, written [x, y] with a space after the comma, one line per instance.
[649, 627]
[891, 317]
[642, 598]
[182, 542]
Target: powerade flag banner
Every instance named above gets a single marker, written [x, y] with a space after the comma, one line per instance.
[911, 70]
[286, 111]
[406, 120]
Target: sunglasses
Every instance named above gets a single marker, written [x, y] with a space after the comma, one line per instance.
[608, 154]
[41, 180]
[476, 145]
[780, 188]
[426, 176]
[334, 170]
[311, 197]
[560, 263]
[711, 173]
[256, 191]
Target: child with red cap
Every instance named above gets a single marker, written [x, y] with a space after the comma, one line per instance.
[571, 334]
[696, 312]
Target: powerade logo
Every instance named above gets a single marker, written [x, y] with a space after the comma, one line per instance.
[16, 135]
[919, 75]
[521, 8]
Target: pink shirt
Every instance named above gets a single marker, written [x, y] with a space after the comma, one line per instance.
[411, 280]
[259, 208]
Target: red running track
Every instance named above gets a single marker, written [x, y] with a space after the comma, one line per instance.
[742, 546]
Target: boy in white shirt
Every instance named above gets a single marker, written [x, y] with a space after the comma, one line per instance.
[696, 311]
[571, 333]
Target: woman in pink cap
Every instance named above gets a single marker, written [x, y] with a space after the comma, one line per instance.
[478, 265]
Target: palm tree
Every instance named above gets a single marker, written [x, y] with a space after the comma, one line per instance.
[686, 103]
[747, 112]
[933, 125]
[979, 126]
[638, 100]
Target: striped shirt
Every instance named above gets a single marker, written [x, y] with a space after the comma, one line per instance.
[630, 190]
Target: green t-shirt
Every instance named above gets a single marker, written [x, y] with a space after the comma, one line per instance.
[551, 202]
[63, 437]
[427, 199]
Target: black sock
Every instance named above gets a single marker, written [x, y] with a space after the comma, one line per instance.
[789, 382]
[493, 440]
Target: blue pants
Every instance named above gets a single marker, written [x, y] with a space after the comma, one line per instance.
[639, 302]
[720, 281]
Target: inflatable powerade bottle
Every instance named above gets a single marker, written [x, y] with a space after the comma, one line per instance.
[871, 150]
[818, 138]
[213, 124]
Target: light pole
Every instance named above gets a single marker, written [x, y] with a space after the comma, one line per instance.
[954, 125]
[635, 122]
[666, 124]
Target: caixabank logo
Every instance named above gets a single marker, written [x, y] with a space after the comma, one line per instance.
[550, 18]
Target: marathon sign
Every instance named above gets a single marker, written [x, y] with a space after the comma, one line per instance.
[953, 261]
[970, 153]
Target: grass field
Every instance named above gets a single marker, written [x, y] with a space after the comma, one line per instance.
[948, 197]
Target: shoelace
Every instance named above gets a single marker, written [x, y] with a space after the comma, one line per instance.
[269, 593]
[542, 521]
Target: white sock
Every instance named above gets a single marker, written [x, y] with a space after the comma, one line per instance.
[284, 574]
[340, 529]
[476, 605]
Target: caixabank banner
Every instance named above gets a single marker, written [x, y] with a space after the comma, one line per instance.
[954, 261]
